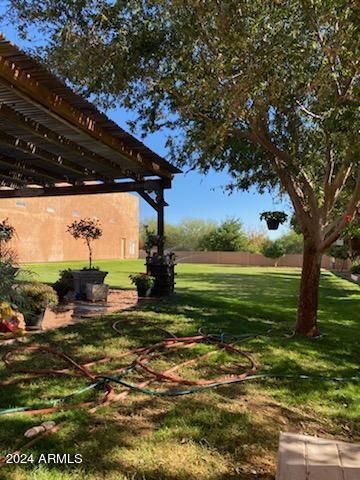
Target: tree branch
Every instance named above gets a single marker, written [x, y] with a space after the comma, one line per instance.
[351, 208]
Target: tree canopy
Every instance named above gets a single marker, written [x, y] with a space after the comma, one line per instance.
[227, 237]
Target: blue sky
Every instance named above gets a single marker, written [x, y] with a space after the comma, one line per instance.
[195, 195]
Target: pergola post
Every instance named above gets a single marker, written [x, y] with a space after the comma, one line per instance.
[159, 265]
[160, 221]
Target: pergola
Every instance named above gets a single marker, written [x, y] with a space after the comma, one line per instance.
[54, 142]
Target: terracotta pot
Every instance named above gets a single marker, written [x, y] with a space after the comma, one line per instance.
[272, 224]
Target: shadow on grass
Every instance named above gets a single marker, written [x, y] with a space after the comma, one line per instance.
[207, 435]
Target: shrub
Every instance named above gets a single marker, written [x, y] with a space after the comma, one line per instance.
[7, 232]
[37, 296]
[355, 269]
[64, 284]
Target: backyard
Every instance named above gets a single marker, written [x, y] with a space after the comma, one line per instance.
[223, 433]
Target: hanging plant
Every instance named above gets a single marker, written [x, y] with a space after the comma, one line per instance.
[273, 219]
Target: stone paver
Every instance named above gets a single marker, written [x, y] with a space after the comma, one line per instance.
[303, 457]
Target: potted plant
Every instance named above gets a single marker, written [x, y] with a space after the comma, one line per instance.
[355, 272]
[37, 298]
[143, 282]
[87, 230]
[273, 219]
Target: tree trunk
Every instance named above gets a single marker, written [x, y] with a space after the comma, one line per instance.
[309, 290]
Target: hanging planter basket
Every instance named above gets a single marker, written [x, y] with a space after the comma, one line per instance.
[273, 219]
[272, 224]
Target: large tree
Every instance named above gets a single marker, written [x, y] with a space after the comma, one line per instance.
[265, 89]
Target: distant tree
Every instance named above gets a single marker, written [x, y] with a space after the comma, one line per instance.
[340, 252]
[87, 230]
[274, 250]
[257, 239]
[293, 242]
[227, 237]
[192, 231]
[184, 236]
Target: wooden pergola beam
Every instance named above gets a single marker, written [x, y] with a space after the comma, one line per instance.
[92, 189]
[55, 105]
[50, 136]
[9, 181]
[35, 151]
[28, 171]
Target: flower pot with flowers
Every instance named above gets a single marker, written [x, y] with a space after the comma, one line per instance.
[143, 283]
[37, 297]
[273, 219]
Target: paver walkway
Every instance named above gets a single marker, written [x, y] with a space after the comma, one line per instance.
[302, 457]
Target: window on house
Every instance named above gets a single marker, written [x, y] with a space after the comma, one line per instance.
[76, 214]
[132, 246]
[50, 210]
[20, 203]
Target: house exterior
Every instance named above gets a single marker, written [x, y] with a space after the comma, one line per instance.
[41, 226]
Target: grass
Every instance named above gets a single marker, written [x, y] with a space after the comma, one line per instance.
[230, 432]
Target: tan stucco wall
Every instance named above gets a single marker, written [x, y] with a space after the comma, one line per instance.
[41, 225]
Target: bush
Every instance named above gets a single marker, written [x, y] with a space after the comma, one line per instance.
[64, 284]
[37, 297]
[355, 269]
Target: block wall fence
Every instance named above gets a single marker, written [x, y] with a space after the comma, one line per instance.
[249, 259]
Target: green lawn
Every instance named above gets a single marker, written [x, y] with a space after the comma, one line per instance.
[227, 433]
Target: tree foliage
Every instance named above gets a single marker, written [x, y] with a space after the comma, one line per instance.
[88, 230]
[227, 237]
[274, 250]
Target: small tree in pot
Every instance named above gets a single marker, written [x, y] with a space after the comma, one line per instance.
[87, 230]
[273, 219]
[37, 297]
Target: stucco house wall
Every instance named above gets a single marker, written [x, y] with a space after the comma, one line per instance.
[41, 226]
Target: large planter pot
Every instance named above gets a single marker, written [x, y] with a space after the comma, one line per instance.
[96, 292]
[164, 276]
[82, 277]
[33, 321]
[355, 245]
[272, 224]
[143, 292]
